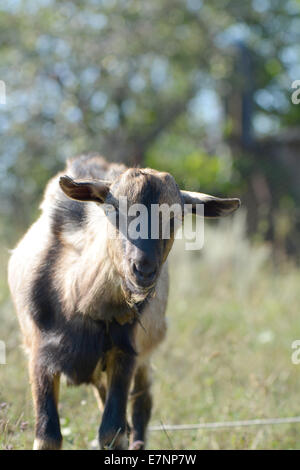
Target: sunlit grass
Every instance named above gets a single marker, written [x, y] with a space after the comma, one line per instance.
[232, 320]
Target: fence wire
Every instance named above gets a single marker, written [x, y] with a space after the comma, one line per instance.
[225, 424]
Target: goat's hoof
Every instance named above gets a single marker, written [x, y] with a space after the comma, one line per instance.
[137, 445]
[46, 444]
[114, 442]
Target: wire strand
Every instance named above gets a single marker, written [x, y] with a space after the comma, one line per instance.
[225, 424]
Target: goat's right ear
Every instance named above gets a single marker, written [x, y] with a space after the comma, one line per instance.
[92, 190]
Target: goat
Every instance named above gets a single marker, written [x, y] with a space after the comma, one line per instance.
[91, 306]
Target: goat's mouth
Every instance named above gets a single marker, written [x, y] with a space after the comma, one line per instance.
[139, 287]
[135, 290]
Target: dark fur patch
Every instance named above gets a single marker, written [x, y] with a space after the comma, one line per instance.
[121, 336]
[114, 423]
[150, 192]
[47, 424]
[44, 299]
[68, 213]
[74, 348]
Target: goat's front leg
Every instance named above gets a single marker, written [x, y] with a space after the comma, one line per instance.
[113, 430]
[45, 391]
[141, 406]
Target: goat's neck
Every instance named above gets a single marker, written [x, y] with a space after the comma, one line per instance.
[86, 276]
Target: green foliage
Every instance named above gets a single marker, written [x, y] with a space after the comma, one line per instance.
[193, 168]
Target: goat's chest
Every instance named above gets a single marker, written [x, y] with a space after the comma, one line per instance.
[76, 346]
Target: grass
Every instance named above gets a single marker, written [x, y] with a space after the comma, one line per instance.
[232, 315]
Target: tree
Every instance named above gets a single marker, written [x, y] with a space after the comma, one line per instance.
[124, 77]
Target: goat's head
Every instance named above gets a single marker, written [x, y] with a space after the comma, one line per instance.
[141, 234]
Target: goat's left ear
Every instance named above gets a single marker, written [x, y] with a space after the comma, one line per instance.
[213, 206]
[96, 191]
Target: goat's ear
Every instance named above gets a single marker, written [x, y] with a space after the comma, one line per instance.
[213, 206]
[96, 191]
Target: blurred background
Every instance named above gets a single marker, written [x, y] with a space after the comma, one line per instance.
[201, 89]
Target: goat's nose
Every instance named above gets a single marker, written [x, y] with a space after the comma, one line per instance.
[144, 271]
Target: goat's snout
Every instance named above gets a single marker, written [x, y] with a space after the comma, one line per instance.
[144, 272]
